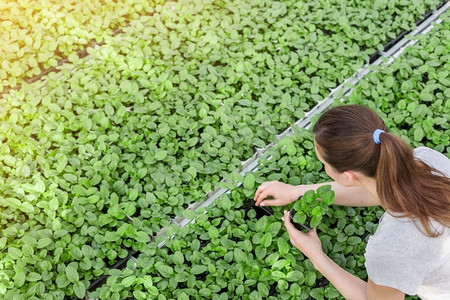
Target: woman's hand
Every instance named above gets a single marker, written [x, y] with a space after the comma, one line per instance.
[308, 243]
[282, 194]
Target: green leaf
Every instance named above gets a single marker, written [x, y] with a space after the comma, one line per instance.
[350, 229]
[142, 237]
[315, 88]
[274, 228]
[198, 269]
[263, 289]
[139, 295]
[315, 221]
[323, 190]
[283, 246]
[310, 279]
[260, 252]
[12, 202]
[26, 207]
[178, 258]
[331, 292]
[25, 171]
[70, 178]
[249, 181]
[316, 211]
[19, 278]
[14, 252]
[418, 134]
[294, 276]
[183, 296]
[224, 202]
[111, 236]
[278, 275]
[133, 194]
[205, 292]
[208, 120]
[128, 281]
[213, 232]
[389, 82]
[246, 245]
[189, 214]
[148, 281]
[266, 240]
[328, 197]
[53, 204]
[354, 240]
[239, 255]
[272, 258]
[2, 242]
[239, 290]
[316, 293]
[164, 270]
[43, 242]
[240, 67]
[33, 276]
[79, 289]
[309, 196]
[2, 288]
[407, 86]
[154, 106]
[192, 172]
[160, 154]
[72, 274]
[255, 296]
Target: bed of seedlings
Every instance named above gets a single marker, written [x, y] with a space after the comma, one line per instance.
[37, 36]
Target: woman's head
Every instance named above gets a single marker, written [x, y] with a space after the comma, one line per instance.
[344, 139]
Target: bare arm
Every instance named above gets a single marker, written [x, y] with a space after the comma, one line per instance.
[345, 196]
[283, 194]
[350, 286]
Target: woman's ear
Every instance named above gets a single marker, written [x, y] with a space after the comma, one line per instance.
[350, 177]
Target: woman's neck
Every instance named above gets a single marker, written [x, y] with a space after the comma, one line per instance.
[369, 184]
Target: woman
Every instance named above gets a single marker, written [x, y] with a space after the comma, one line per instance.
[410, 251]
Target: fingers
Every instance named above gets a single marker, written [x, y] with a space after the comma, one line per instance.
[263, 195]
[287, 222]
[263, 192]
[273, 202]
[308, 243]
[266, 189]
[262, 188]
[295, 235]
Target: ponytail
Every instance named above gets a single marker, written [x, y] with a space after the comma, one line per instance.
[411, 188]
[405, 185]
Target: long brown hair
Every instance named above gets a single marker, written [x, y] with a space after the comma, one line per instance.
[405, 185]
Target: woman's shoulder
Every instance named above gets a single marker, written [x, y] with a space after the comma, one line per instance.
[434, 159]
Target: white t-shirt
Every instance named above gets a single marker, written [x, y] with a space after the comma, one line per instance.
[400, 256]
